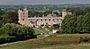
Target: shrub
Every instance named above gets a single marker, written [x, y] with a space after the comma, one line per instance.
[11, 32]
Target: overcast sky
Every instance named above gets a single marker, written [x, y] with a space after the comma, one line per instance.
[16, 2]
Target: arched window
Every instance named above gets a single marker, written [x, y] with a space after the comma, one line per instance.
[53, 19]
[41, 19]
[45, 19]
[23, 19]
[49, 19]
[37, 19]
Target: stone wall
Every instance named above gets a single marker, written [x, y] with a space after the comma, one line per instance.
[39, 21]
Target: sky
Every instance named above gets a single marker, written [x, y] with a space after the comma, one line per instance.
[23, 2]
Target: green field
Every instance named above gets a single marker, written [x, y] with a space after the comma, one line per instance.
[64, 41]
[38, 32]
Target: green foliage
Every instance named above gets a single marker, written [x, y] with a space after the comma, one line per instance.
[79, 22]
[40, 13]
[15, 32]
[63, 40]
[1, 12]
[68, 25]
[12, 16]
[8, 17]
[83, 24]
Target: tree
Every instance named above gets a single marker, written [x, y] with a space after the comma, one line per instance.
[69, 24]
[12, 16]
[79, 22]
[16, 32]
[9, 17]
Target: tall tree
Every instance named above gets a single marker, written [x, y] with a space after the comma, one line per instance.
[69, 24]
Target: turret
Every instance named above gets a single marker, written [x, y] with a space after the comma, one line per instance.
[23, 16]
[65, 13]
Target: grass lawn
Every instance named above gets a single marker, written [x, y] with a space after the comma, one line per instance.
[38, 32]
[64, 41]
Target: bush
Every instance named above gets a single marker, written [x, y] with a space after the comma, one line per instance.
[11, 32]
[85, 39]
[78, 22]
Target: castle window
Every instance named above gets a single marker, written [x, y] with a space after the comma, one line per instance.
[61, 19]
[57, 19]
[49, 19]
[53, 19]
[23, 19]
[37, 19]
[45, 19]
[41, 19]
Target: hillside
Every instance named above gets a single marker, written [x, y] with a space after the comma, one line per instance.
[53, 42]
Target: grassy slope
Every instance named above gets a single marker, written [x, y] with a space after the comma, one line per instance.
[39, 30]
[52, 42]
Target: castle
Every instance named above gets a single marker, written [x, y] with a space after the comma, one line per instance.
[40, 21]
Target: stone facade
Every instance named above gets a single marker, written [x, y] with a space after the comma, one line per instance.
[39, 21]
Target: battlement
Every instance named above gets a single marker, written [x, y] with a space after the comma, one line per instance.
[39, 21]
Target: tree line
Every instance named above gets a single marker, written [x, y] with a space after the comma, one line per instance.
[11, 30]
[78, 22]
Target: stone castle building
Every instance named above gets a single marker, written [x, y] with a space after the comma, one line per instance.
[40, 21]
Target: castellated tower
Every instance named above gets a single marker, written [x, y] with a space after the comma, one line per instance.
[65, 13]
[23, 17]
